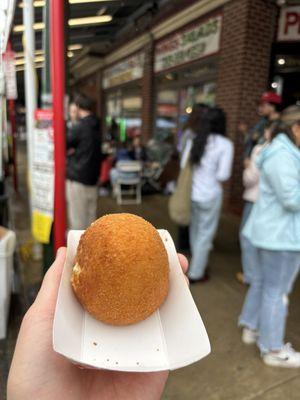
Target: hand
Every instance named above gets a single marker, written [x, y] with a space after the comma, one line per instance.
[38, 373]
[247, 162]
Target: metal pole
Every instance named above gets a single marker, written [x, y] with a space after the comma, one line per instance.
[46, 97]
[58, 93]
[30, 81]
[12, 118]
[46, 84]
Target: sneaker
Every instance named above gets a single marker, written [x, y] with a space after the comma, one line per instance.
[249, 336]
[287, 357]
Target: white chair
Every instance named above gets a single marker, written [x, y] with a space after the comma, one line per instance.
[130, 175]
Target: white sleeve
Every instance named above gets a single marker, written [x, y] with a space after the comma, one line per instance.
[251, 173]
[225, 162]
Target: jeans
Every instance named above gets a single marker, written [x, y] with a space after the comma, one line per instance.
[266, 303]
[204, 222]
[248, 251]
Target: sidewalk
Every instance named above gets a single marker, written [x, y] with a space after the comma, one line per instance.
[232, 371]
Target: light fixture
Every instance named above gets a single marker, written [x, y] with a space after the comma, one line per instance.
[188, 110]
[86, 1]
[36, 3]
[281, 61]
[41, 3]
[38, 26]
[99, 19]
[21, 54]
[274, 85]
[22, 68]
[36, 60]
[169, 76]
[75, 46]
[70, 54]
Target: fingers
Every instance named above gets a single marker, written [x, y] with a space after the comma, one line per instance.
[48, 293]
[183, 262]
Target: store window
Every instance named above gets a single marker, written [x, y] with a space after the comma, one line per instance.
[177, 92]
[123, 113]
[186, 68]
[123, 99]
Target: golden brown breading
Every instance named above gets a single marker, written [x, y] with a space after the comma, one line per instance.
[121, 274]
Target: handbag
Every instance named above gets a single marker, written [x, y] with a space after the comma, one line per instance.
[180, 200]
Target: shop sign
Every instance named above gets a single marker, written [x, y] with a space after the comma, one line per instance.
[42, 176]
[10, 75]
[124, 71]
[193, 43]
[289, 24]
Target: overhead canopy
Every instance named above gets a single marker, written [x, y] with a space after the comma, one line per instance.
[7, 8]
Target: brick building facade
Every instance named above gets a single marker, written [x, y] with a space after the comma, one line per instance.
[243, 65]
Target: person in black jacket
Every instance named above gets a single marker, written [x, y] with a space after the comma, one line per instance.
[83, 164]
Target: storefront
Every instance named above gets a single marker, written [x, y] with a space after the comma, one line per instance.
[185, 69]
[286, 56]
[123, 97]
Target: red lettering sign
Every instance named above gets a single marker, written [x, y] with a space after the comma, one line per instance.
[291, 19]
[289, 24]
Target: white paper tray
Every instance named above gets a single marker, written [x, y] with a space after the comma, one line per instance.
[173, 337]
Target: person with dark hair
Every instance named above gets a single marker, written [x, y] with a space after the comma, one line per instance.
[211, 156]
[185, 144]
[83, 164]
[273, 228]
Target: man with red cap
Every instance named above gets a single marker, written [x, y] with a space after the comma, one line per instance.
[268, 110]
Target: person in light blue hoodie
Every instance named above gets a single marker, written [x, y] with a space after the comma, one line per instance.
[274, 229]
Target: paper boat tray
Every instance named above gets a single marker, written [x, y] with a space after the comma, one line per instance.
[172, 337]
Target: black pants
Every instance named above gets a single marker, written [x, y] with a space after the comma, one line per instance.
[183, 239]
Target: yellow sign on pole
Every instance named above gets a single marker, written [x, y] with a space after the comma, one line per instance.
[41, 226]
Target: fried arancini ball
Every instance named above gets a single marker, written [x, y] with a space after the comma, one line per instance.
[121, 275]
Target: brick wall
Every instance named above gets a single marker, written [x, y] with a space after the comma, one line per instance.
[148, 93]
[248, 32]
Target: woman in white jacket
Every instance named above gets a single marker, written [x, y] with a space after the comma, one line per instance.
[211, 157]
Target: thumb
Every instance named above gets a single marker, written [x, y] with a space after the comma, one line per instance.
[47, 295]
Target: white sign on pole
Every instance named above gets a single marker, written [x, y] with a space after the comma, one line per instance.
[194, 42]
[42, 176]
[289, 24]
[10, 75]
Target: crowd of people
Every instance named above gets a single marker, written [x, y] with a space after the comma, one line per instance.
[270, 224]
[269, 232]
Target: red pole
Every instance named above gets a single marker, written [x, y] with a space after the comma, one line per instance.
[12, 117]
[57, 46]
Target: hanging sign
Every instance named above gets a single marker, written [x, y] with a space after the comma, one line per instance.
[42, 176]
[195, 42]
[10, 75]
[289, 24]
[124, 71]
